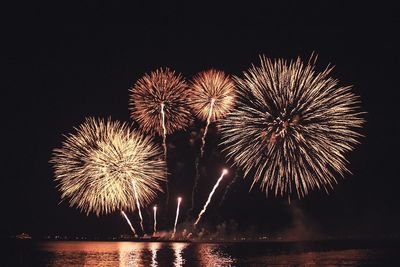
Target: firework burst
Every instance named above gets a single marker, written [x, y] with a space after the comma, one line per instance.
[159, 102]
[96, 167]
[212, 97]
[292, 126]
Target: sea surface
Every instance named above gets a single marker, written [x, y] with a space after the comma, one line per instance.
[87, 253]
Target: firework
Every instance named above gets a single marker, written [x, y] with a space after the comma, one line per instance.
[158, 102]
[164, 130]
[137, 204]
[155, 219]
[225, 171]
[212, 97]
[128, 221]
[177, 215]
[292, 126]
[96, 167]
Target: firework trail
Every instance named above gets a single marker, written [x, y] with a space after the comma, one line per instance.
[159, 103]
[155, 219]
[129, 222]
[225, 171]
[165, 146]
[164, 131]
[212, 97]
[138, 204]
[228, 187]
[203, 138]
[292, 126]
[96, 166]
[177, 215]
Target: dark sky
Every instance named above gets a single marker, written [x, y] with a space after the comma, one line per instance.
[65, 62]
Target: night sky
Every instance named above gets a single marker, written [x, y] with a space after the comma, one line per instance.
[65, 62]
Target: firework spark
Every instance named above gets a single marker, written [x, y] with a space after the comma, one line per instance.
[155, 219]
[177, 215]
[292, 126]
[128, 221]
[137, 204]
[212, 97]
[96, 166]
[224, 171]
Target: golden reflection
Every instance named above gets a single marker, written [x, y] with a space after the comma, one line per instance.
[124, 254]
[77, 253]
[130, 254]
[211, 255]
[178, 251]
[154, 247]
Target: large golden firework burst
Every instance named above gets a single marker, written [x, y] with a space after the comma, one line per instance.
[292, 126]
[97, 167]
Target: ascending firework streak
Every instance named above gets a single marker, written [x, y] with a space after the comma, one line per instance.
[225, 171]
[155, 219]
[138, 204]
[129, 222]
[203, 139]
[164, 131]
[177, 215]
[164, 143]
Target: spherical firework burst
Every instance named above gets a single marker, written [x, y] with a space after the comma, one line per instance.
[97, 166]
[292, 126]
[213, 95]
[159, 102]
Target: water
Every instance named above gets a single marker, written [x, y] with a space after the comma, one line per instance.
[77, 253]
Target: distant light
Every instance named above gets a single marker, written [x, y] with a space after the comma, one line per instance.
[224, 171]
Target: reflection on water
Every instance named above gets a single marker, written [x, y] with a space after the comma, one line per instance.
[178, 249]
[130, 254]
[154, 247]
[213, 255]
[71, 253]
